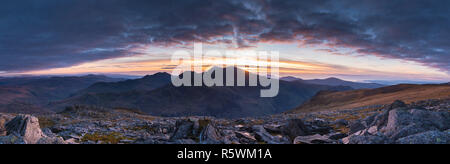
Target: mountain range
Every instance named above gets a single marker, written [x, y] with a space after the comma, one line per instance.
[155, 95]
[332, 81]
[31, 93]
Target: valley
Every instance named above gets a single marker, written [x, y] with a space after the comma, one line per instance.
[150, 110]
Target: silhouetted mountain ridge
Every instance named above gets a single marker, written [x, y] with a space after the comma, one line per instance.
[332, 81]
[219, 101]
[27, 93]
[146, 83]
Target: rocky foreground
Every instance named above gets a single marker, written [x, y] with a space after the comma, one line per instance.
[425, 122]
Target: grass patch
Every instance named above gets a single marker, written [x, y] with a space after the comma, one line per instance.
[143, 127]
[341, 129]
[109, 138]
[45, 122]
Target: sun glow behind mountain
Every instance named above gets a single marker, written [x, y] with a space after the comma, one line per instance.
[295, 60]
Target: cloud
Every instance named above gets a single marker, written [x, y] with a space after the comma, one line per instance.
[52, 34]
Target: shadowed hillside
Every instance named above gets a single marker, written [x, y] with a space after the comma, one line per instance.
[147, 83]
[28, 94]
[325, 100]
[334, 82]
[205, 101]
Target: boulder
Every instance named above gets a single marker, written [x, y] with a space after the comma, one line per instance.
[210, 135]
[373, 130]
[397, 104]
[262, 135]
[356, 126]
[4, 118]
[294, 128]
[402, 123]
[369, 120]
[246, 136]
[51, 140]
[184, 129]
[312, 139]
[380, 120]
[341, 122]
[366, 139]
[337, 136]
[47, 132]
[429, 137]
[25, 126]
[273, 128]
[12, 139]
[229, 137]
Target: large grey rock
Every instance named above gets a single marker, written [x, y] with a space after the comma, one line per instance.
[369, 120]
[4, 118]
[47, 132]
[430, 137]
[402, 123]
[380, 120]
[231, 138]
[262, 135]
[356, 126]
[25, 126]
[294, 128]
[184, 130]
[210, 135]
[273, 128]
[397, 104]
[337, 136]
[341, 122]
[366, 139]
[12, 139]
[246, 137]
[312, 139]
[51, 140]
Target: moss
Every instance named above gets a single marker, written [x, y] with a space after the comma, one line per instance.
[348, 117]
[143, 127]
[45, 122]
[108, 138]
[341, 129]
[257, 122]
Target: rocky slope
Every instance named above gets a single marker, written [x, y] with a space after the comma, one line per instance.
[408, 93]
[398, 123]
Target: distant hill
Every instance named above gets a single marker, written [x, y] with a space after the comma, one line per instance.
[290, 78]
[37, 91]
[335, 82]
[325, 100]
[147, 83]
[227, 102]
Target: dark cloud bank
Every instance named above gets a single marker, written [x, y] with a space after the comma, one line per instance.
[55, 33]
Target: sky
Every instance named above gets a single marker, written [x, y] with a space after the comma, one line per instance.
[350, 39]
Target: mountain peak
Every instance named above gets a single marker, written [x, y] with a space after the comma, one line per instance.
[159, 74]
[290, 78]
[334, 78]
